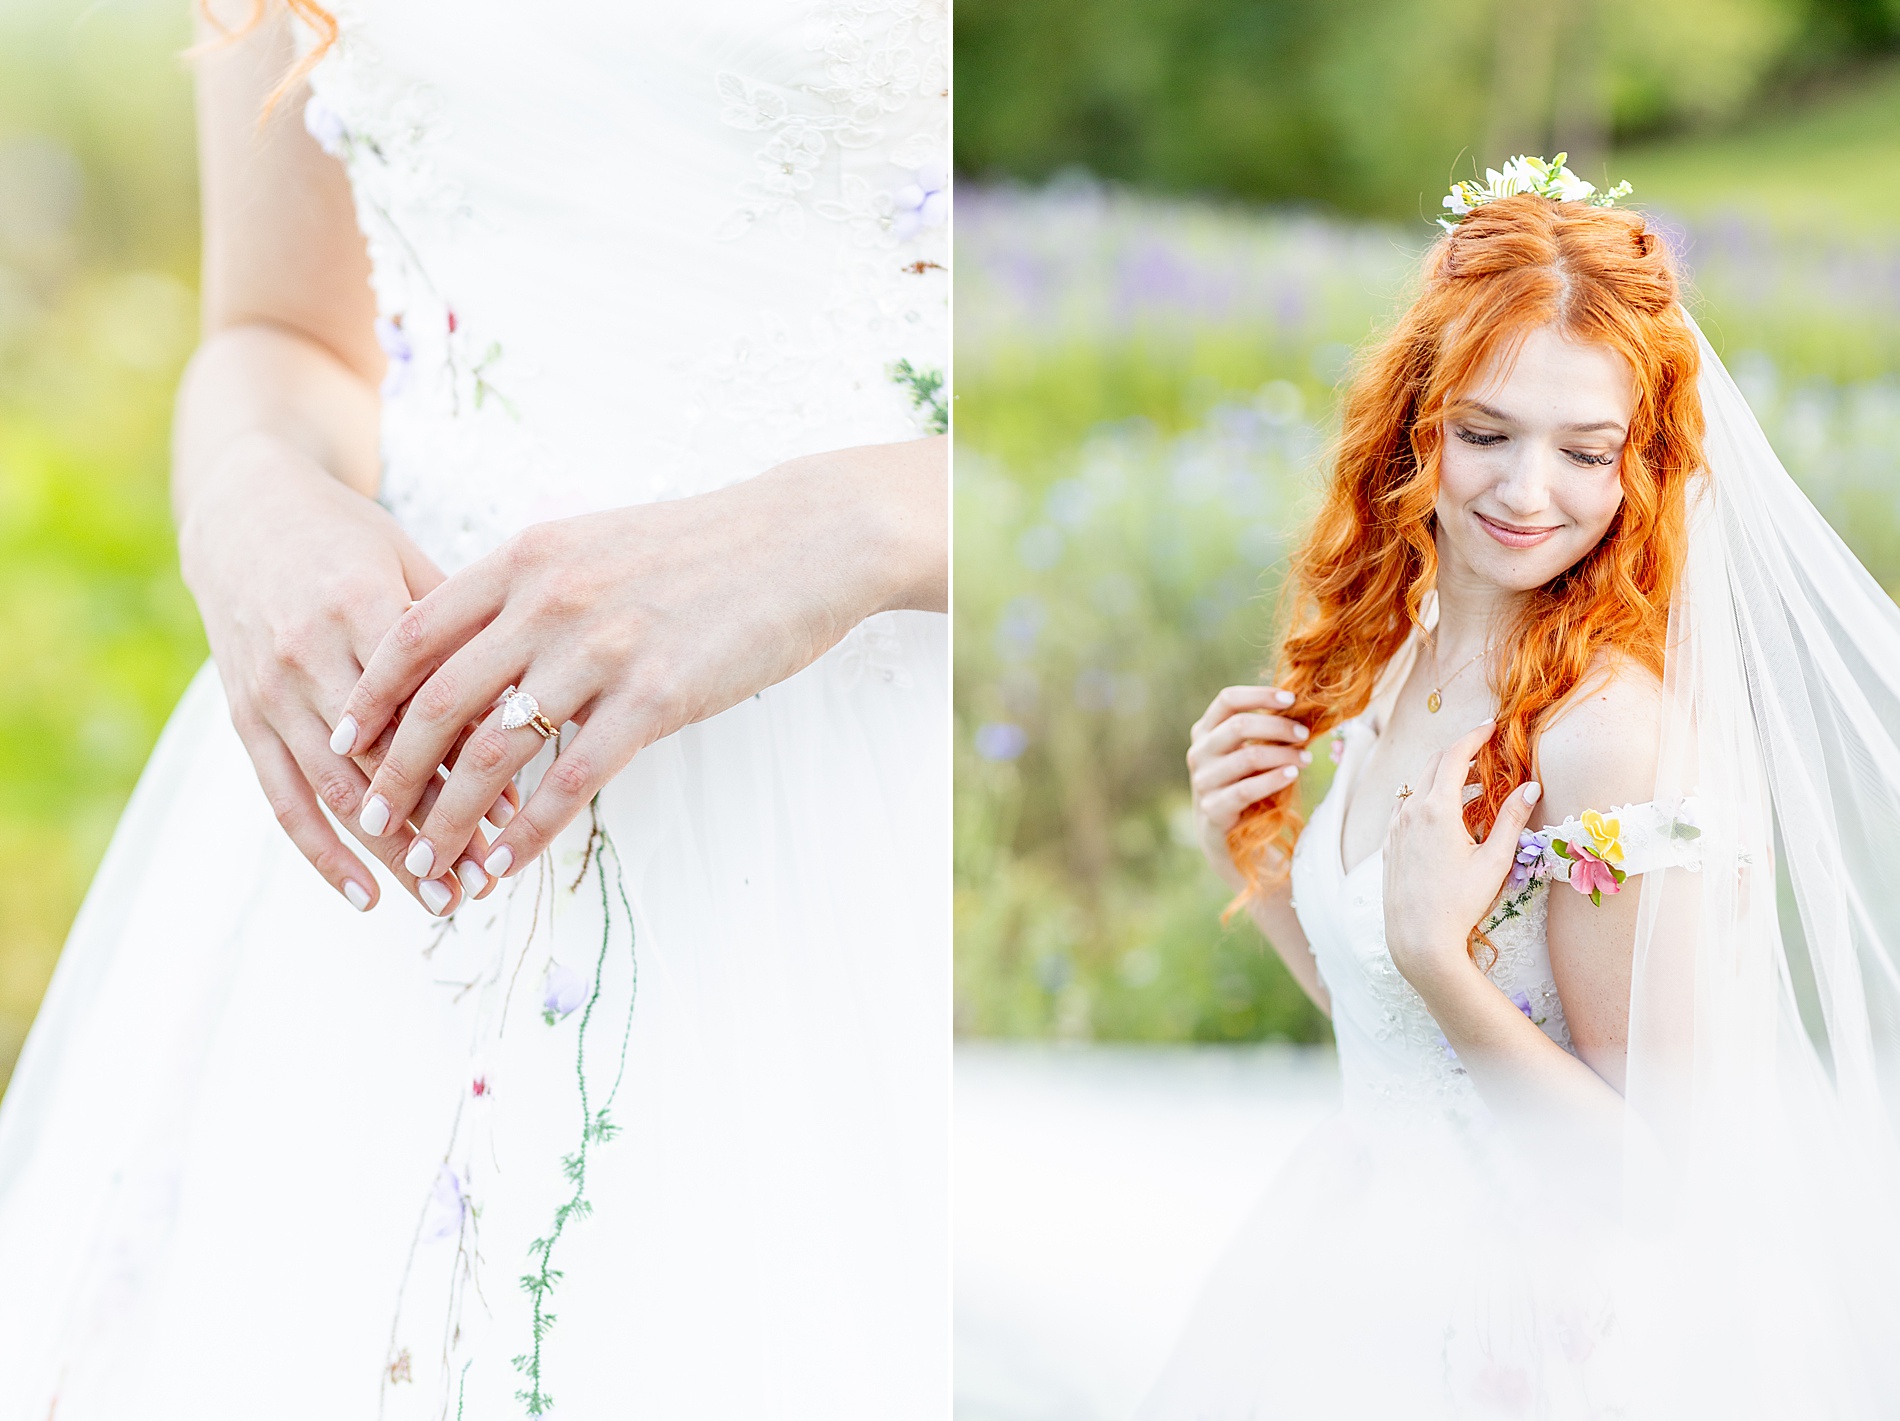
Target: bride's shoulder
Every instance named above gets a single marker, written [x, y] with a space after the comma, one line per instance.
[1601, 747]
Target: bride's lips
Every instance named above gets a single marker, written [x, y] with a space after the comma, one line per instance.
[1511, 536]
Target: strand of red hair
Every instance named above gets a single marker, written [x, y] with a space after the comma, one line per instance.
[319, 20]
[1357, 584]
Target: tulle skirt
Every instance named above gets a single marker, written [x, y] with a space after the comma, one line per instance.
[1420, 1271]
[659, 1128]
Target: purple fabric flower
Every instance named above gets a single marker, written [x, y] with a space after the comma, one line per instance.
[924, 203]
[448, 1204]
[1533, 858]
[1522, 1001]
[395, 343]
[325, 124]
[566, 990]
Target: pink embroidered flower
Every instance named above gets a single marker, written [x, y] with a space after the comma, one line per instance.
[480, 1088]
[1590, 874]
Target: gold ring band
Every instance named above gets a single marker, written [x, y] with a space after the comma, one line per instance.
[1405, 792]
[518, 708]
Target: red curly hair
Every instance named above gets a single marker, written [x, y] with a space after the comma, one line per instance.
[1355, 589]
[320, 21]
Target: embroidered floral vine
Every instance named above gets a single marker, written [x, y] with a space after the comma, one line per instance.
[597, 1124]
[926, 394]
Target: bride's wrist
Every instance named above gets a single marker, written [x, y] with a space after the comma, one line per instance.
[877, 520]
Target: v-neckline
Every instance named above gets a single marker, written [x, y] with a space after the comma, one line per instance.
[1408, 649]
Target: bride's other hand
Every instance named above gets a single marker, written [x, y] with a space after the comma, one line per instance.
[1239, 753]
[636, 622]
[1438, 883]
[297, 577]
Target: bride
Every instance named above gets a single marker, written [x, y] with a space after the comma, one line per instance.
[1598, 899]
[568, 417]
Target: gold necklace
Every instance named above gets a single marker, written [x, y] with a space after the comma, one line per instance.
[1436, 699]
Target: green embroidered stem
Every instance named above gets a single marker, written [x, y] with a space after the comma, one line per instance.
[596, 1126]
[926, 393]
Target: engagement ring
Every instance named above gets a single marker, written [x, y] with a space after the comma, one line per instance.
[1405, 791]
[518, 708]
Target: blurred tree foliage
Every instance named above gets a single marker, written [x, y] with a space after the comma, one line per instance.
[98, 255]
[1367, 105]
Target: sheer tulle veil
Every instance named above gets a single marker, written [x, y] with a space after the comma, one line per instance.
[1761, 1176]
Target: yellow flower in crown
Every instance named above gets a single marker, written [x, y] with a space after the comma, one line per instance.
[1606, 836]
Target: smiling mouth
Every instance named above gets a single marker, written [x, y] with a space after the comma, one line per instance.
[1512, 536]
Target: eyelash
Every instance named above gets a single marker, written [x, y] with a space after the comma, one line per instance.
[1486, 441]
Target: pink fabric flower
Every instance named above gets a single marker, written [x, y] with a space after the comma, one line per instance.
[1589, 874]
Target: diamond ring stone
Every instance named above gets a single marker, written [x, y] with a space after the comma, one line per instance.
[518, 708]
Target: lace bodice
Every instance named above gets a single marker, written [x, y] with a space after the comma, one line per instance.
[1393, 1056]
[639, 251]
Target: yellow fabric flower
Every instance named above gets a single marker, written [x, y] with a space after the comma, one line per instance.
[1606, 836]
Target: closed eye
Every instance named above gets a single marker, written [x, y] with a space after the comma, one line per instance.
[1480, 438]
[1595, 461]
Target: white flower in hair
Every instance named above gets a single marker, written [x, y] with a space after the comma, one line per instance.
[1547, 177]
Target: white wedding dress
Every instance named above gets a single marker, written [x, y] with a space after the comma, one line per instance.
[1410, 1261]
[265, 1157]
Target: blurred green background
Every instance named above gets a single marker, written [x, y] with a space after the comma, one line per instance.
[98, 265]
[1176, 220]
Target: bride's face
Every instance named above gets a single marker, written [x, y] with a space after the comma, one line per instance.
[1530, 477]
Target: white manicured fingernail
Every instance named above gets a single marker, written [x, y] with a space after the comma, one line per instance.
[343, 738]
[1533, 792]
[1306, 757]
[421, 857]
[434, 895]
[500, 814]
[1292, 772]
[500, 861]
[1488, 720]
[375, 816]
[1285, 698]
[473, 879]
[357, 894]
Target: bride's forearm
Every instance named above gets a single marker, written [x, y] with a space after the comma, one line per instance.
[258, 384]
[1525, 1077]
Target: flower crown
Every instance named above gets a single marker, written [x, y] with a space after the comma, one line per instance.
[1545, 177]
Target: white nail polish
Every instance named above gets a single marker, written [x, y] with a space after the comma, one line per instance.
[1292, 772]
[375, 816]
[434, 895]
[357, 894]
[501, 814]
[343, 738]
[473, 879]
[1533, 792]
[1285, 698]
[500, 861]
[1306, 757]
[420, 859]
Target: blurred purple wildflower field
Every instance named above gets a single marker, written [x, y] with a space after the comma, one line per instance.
[1145, 393]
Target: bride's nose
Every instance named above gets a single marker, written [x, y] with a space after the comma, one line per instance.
[1525, 487]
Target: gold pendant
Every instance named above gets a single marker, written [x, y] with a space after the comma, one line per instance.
[1433, 702]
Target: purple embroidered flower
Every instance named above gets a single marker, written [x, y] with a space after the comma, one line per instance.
[1533, 859]
[395, 343]
[325, 125]
[566, 990]
[922, 204]
[448, 1204]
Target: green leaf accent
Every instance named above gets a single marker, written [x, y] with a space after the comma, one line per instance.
[1680, 830]
[926, 393]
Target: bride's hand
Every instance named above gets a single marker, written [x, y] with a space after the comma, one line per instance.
[634, 623]
[1438, 883]
[297, 578]
[1239, 753]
